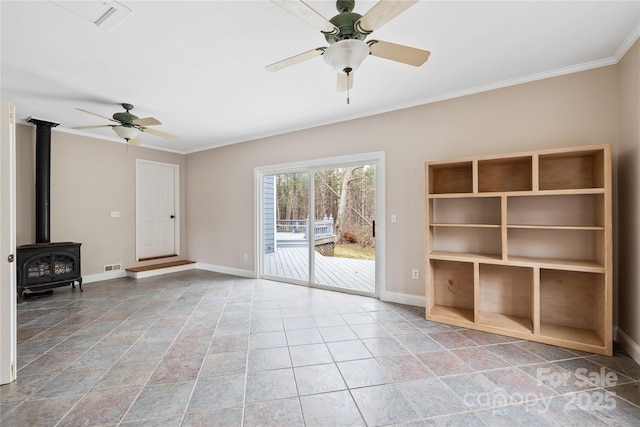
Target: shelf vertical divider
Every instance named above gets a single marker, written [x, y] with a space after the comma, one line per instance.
[535, 175]
[503, 226]
[476, 292]
[474, 176]
[535, 299]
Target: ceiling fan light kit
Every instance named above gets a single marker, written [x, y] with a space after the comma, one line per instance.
[126, 132]
[346, 56]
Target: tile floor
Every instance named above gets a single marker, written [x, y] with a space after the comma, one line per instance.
[204, 349]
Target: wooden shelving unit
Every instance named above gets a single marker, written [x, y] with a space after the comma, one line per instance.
[521, 245]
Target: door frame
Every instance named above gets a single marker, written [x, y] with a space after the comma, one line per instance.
[376, 158]
[176, 203]
[8, 292]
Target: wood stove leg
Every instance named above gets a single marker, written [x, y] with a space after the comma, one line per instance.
[80, 284]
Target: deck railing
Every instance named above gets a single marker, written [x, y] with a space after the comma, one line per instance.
[291, 225]
[322, 227]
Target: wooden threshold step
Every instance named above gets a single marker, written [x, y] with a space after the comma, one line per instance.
[158, 269]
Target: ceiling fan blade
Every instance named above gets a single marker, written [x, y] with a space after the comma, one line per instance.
[147, 121]
[310, 16]
[92, 127]
[161, 134]
[96, 114]
[345, 82]
[295, 59]
[398, 52]
[134, 141]
[381, 13]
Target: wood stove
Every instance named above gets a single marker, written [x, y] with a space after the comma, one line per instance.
[45, 265]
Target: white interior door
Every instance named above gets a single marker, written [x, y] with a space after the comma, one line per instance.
[156, 209]
[8, 344]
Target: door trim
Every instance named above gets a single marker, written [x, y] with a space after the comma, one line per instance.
[8, 291]
[376, 157]
[176, 207]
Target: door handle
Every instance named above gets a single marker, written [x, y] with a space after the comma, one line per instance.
[374, 229]
[172, 216]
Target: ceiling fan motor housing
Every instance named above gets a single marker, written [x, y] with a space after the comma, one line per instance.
[125, 118]
[345, 22]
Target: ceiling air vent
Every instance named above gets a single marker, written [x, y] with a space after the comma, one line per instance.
[105, 14]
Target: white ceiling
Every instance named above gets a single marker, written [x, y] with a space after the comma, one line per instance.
[199, 66]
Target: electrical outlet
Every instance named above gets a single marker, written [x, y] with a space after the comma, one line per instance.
[415, 273]
[115, 214]
[246, 256]
[394, 218]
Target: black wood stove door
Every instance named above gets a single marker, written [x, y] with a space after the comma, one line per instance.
[48, 265]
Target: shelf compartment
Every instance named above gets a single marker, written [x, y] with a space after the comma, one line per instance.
[468, 240]
[566, 334]
[565, 245]
[561, 211]
[510, 174]
[452, 290]
[571, 170]
[506, 322]
[451, 178]
[506, 297]
[481, 211]
[453, 314]
[572, 306]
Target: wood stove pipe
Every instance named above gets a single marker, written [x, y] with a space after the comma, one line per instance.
[43, 179]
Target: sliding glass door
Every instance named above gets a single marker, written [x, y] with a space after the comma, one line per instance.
[285, 216]
[344, 212]
[317, 225]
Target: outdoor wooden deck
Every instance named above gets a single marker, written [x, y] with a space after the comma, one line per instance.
[345, 273]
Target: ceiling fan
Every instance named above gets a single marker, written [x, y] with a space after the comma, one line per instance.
[128, 126]
[345, 34]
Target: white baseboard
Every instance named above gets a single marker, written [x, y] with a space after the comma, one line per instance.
[401, 298]
[160, 271]
[104, 276]
[628, 344]
[226, 270]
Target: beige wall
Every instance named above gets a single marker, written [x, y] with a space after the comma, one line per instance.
[571, 110]
[89, 179]
[629, 198]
